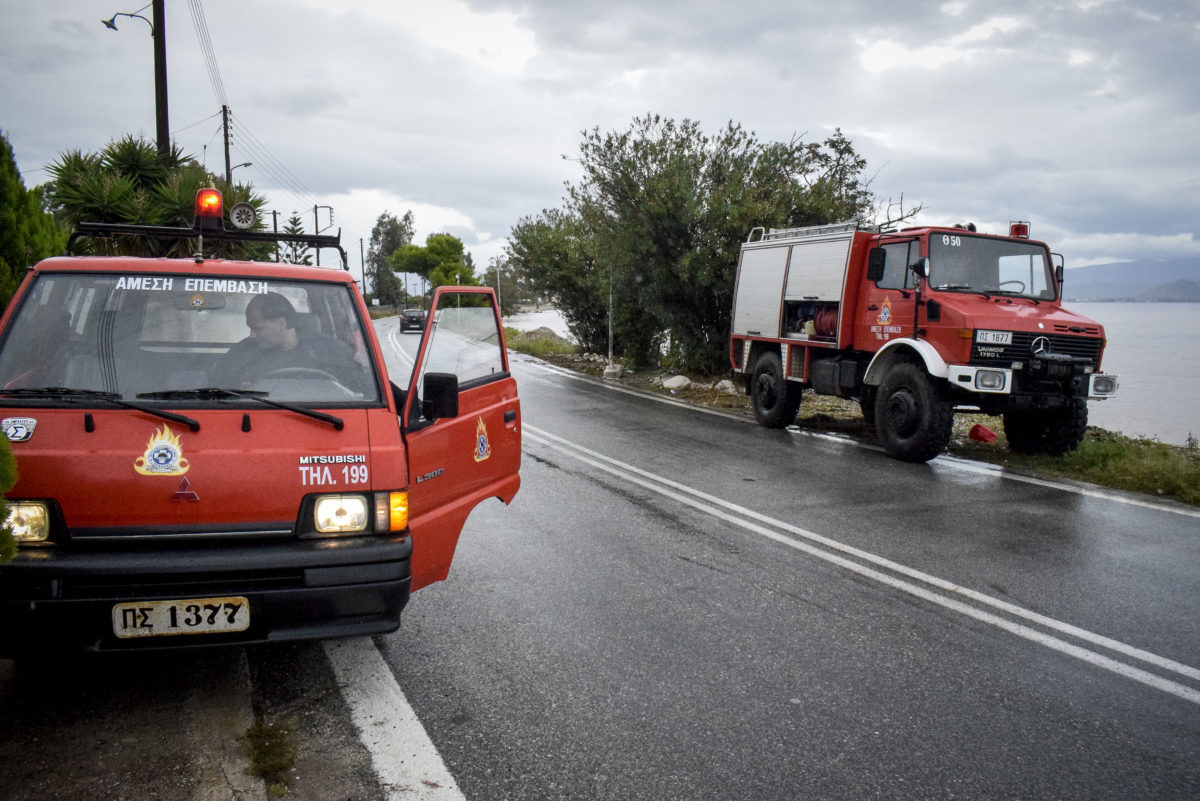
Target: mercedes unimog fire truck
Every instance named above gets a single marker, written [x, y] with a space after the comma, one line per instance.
[916, 324]
[213, 451]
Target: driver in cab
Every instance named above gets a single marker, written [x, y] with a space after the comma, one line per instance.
[276, 348]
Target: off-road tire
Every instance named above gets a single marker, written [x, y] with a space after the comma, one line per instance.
[913, 416]
[1047, 431]
[775, 399]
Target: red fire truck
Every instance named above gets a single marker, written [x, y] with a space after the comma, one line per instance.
[213, 452]
[916, 324]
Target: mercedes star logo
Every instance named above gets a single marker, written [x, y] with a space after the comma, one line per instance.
[1040, 346]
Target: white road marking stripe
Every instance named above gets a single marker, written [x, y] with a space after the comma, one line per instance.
[710, 505]
[405, 759]
[944, 460]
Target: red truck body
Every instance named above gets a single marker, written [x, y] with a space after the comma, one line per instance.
[168, 497]
[916, 324]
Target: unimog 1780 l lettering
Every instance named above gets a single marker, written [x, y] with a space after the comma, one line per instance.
[916, 324]
[213, 452]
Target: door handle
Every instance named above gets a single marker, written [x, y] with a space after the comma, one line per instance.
[872, 307]
[510, 415]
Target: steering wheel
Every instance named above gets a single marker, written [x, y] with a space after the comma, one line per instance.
[1014, 281]
[300, 372]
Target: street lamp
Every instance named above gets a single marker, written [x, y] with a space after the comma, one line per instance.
[158, 32]
[229, 180]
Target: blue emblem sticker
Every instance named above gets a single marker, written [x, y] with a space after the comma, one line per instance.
[18, 429]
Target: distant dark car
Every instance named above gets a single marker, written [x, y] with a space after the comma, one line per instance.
[412, 320]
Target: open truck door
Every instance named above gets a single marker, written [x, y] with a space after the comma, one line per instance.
[462, 425]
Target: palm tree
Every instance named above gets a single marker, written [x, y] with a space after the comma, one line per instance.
[128, 182]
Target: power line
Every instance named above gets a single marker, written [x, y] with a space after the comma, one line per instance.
[274, 168]
[240, 134]
[206, 48]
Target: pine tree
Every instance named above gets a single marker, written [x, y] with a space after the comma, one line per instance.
[293, 252]
[27, 233]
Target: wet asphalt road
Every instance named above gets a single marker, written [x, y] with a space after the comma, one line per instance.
[680, 605]
[613, 636]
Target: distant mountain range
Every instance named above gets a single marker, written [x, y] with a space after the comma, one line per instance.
[1143, 280]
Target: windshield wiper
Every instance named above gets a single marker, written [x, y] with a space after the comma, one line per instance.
[60, 392]
[70, 393]
[248, 394]
[201, 393]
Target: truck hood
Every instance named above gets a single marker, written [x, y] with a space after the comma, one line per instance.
[135, 474]
[1019, 314]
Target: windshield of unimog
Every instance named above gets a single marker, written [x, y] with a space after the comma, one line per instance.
[146, 338]
[964, 263]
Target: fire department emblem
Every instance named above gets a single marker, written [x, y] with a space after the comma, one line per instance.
[885, 313]
[163, 457]
[482, 449]
[18, 429]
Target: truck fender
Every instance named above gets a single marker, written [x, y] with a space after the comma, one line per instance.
[902, 350]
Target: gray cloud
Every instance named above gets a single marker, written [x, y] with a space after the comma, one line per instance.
[1080, 115]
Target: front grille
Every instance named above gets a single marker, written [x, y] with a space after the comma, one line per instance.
[1020, 350]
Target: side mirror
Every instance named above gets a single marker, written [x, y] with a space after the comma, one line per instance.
[920, 267]
[439, 396]
[875, 262]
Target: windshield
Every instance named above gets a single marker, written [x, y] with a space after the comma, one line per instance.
[170, 335]
[959, 263]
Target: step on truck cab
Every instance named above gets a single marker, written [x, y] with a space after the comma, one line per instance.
[213, 452]
[916, 324]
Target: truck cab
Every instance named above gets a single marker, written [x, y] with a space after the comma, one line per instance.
[213, 452]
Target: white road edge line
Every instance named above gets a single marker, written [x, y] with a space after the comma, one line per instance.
[945, 460]
[710, 506]
[405, 759]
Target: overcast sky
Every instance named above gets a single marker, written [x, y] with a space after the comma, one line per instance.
[1081, 116]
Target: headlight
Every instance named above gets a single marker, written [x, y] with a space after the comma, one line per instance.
[1104, 385]
[29, 521]
[340, 514]
[992, 380]
[370, 513]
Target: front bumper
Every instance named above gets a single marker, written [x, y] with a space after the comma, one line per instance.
[296, 590]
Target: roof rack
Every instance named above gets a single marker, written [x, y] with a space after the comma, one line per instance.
[847, 227]
[209, 224]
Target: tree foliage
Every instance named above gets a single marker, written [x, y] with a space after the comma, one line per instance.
[554, 254]
[442, 261]
[294, 252]
[8, 479]
[27, 233]
[660, 213]
[127, 181]
[387, 237]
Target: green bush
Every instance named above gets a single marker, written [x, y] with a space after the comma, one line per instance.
[8, 478]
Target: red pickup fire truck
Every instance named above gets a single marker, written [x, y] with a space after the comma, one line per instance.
[915, 324]
[213, 452]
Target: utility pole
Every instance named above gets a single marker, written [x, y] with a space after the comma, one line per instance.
[159, 32]
[362, 258]
[225, 126]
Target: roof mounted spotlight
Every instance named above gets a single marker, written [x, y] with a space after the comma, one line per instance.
[1019, 229]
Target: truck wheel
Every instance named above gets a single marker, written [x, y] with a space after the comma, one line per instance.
[775, 399]
[1049, 431]
[913, 417]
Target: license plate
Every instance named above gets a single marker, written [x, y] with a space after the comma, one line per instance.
[188, 616]
[993, 337]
